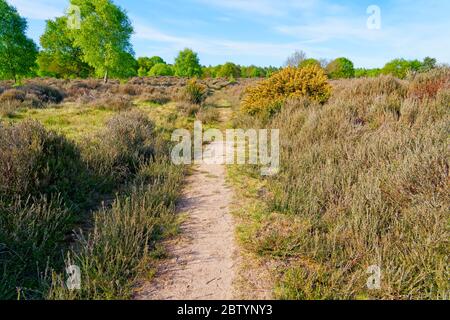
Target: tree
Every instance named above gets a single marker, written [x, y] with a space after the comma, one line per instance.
[400, 67]
[17, 52]
[59, 57]
[341, 68]
[146, 64]
[309, 62]
[252, 72]
[428, 64]
[160, 70]
[104, 38]
[295, 59]
[229, 70]
[187, 64]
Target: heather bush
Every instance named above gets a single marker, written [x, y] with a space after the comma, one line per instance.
[31, 237]
[266, 98]
[188, 109]
[36, 162]
[113, 103]
[208, 115]
[43, 93]
[427, 85]
[360, 184]
[118, 151]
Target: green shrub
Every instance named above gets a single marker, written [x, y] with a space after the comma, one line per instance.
[161, 69]
[229, 70]
[341, 68]
[266, 98]
[309, 62]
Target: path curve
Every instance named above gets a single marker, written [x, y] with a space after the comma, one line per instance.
[202, 260]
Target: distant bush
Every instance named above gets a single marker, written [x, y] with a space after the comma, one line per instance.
[228, 70]
[400, 67]
[267, 97]
[161, 69]
[45, 94]
[309, 62]
[341, 68]
[156, 97]
[195, 92]
[113, 103]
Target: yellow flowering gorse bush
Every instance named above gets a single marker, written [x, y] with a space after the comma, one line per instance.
[267, 97]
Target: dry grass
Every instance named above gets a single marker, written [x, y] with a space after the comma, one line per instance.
[364, 181]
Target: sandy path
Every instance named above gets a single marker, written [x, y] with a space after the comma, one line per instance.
[201, 265]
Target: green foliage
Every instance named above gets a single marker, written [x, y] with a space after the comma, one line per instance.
[428, 64]
[160, 69]
[187, 64]
[400, 68]
[341, 68]
[104, 38]
[145, 64]
[17, 52]
[309, 62]
[253, 72]
[367, 73]
[228, 70]
[59, 57]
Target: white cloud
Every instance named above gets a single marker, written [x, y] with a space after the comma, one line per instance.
[223, 47]
[38, 9]
[332, 28]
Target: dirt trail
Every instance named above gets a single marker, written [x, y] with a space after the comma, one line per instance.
[202, 260]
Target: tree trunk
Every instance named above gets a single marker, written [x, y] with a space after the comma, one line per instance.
[105, 80]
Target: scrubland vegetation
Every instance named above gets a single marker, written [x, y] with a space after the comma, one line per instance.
[86, 178]
[364, 181]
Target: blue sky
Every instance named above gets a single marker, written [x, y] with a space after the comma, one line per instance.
[265, 32]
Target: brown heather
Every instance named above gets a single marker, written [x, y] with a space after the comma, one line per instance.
[364, 181]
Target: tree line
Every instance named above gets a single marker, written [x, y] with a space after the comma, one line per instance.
[100, 46]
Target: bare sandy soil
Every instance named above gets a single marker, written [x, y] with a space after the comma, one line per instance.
[202, 263]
